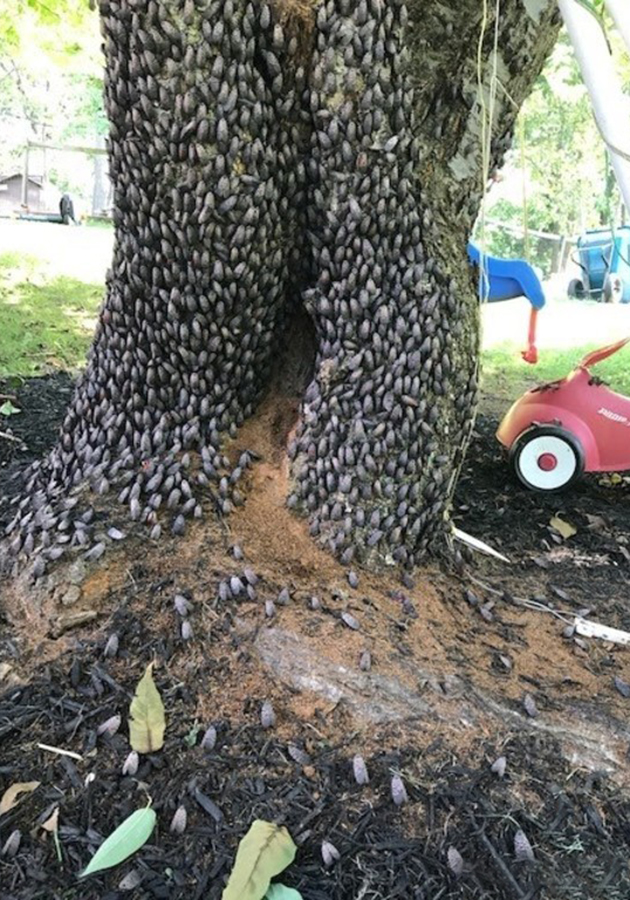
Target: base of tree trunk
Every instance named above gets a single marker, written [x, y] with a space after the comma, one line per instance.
[248, 611]
[273, 616]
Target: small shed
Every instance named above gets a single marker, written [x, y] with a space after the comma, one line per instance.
[11, 193]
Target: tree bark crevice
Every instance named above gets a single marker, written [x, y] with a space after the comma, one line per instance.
[260, 154]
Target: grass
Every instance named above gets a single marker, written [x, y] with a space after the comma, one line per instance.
[567, 331]
[503, 372]
[46, 322]
[51, 286]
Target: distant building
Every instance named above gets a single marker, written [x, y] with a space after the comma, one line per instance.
[11, 194]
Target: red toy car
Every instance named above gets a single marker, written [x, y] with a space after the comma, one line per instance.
[557, 431]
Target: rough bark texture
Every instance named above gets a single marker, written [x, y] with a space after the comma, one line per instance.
[270, 159]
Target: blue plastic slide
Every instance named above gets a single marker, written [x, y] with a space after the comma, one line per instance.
[507, 278]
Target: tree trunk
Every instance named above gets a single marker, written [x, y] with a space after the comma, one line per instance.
[295, 183]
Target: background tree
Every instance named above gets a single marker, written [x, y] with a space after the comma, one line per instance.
[51, 85]
[570, 185]
[295, 183]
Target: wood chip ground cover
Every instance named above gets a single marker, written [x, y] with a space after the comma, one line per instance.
[458, 807]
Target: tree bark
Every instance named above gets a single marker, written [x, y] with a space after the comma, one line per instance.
[295, 183]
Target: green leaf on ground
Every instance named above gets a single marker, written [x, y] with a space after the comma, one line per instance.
[265, 851]
[147, 722]
[566, 529]
[8, 409]
[281, 892]
[132, 834]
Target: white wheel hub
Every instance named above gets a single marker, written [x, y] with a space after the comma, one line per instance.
[547, 462]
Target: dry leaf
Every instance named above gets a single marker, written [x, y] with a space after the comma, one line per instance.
[595, 523]
[147, 722]
[11, 796]
[566, 529]
[52, 822]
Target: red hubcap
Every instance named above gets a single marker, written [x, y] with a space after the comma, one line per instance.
[547, 462]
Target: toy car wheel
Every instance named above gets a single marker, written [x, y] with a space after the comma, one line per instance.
[613, 289]
[546, 458]
[576, 288]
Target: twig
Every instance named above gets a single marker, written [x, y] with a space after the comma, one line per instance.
[60, 751]
[528, 604]
[496, 857]
[10, 437]
[10, 397]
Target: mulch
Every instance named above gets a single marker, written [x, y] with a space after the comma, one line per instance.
[590, 570]
[42, 403]
[577, 821]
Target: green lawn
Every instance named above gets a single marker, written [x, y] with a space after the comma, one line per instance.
[51, 286]
[46, 321]
[505, 375]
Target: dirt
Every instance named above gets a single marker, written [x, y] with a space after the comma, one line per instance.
[459, 642]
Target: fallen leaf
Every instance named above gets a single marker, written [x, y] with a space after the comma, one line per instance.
[130, 835]
[52, 822]
[265, 851]
[624, 552]
[281, 892]
[11, 796]
[8, 409]
[595, 523]
[147, 722]
[566, 529]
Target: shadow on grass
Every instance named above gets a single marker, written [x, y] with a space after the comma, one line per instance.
[45, 323]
